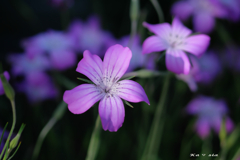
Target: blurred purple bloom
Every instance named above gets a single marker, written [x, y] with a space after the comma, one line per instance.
[90, 36]
[175, 40]
[232, 8]
[22, 64]
[7, 76]
[62, 3]
[204, 70]
[106, 88]
[57, 45]
[138, 59]
[210, 113]
[38, 86]
[231, 58]
[204, 13]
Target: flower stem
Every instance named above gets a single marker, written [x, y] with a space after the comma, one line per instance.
[11, 131]
[134, 16]
[94, 141]
[158, 10]
[154, 137]
[58, 113]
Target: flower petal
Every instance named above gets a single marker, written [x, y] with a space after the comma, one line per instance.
[203, 22]
[179, 29]
[63, 59]
[202, 128]
[91, 66]
[112, 113]
[82, 97]
[196, 44]
[189, 80]
[162, 30]
[182, 9]
[132, 91]
[116, 62]
[177, 61]
[154, 44]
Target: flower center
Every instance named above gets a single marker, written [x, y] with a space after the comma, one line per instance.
[108, 86]
[175, 40]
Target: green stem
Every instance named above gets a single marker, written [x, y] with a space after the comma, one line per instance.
[11, 131]
[94, 141]
[158, 10]
[237, 154]
[56, 116]
[154, 137]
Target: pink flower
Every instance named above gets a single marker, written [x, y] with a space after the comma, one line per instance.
[175, 40]
[204, 13]
[6, 74]
[210, 113]
[106, 88]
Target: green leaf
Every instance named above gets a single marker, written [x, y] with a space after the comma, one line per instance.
[223, 132]
[7, 88]
[129, 78]
[3, 133]
[126, 102]
[85, 80]
[232, 138]
[144, 73]
[15, 151]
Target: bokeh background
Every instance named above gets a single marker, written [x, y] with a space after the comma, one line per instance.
[69, 138]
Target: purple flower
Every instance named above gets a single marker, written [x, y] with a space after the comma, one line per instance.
[106, 88]
[204, 70]
[210, 114]
[7, 76]
[175, 40]
[231, 58]
[232, 8]
[22, 64]
[90, 36]
[38, 86]
[58, 45]
[203, 11]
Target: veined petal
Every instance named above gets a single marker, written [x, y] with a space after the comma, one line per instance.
[116, 62]
[182, 9]
[112, 113]
[91, 66]
[196, 44]
[82, 97]
[177, 61]
[132, 91]
[203, 22]
[179, 29]
[162, 30]
[154, 44]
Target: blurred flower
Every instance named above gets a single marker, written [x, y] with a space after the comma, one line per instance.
[106, 88]
[57, 45]
[22, 64]
[203, 11]
[7, 76]
[175, 40]
[38, 86]
[231, 58]
[62, 3]
[210, 114]
[204, 70]
[90, 36]
[232, 8]
[138, 59]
